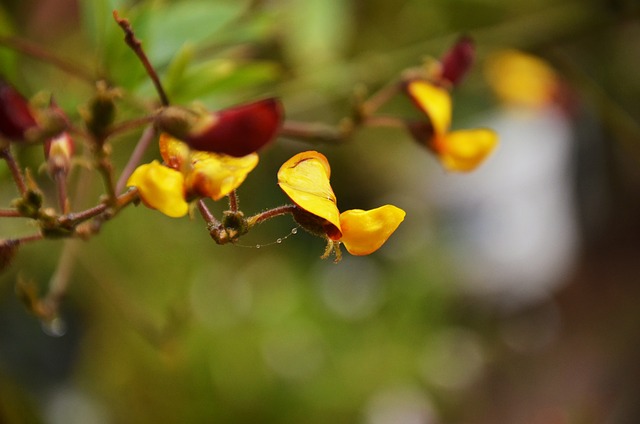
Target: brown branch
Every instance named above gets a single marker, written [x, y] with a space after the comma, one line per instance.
[136, 46]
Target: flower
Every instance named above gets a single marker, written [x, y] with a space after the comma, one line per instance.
[186, 175]
[520, 79]
[305, 179]
[236, 131]
[16, 117]
[461, 150]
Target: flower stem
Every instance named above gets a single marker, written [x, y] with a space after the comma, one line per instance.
[60, 178]
[136, 157]
[271, 213]
[211, 220]
[136, 46]
[233, 201]
[18, 178]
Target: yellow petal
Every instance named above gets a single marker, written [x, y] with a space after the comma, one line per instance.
[305, 179]
[160, 188]
[216, 175]
[434, 101]
[521, 79]
[174, 152]
[363, 232]
[464, 150]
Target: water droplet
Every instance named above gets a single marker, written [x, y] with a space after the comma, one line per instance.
[279, 241]
[258, 246]
[294, 231]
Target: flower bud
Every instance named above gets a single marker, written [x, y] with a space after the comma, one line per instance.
[455, 63]
[235, 131]
[101, 111]
[16, 117]
[58, 152]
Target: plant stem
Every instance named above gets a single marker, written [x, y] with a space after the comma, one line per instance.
[10, 213]
[233, 201]
[136, 156]
[211, 220]
[312, 130]
[18, 178]
[39, 53]
[271, 213]
[136, 46]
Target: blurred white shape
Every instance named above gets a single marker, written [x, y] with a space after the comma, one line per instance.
[68, 405]
[352, 290]
[512, 221]
[400, 405]
[454, 359]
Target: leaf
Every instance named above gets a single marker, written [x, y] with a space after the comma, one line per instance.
[175, 24]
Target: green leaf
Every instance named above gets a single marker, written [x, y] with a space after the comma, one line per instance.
[175, 24]
[217, 77]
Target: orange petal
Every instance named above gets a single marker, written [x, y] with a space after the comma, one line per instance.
[174, 152]
[305, 179]
[160, 188]
[213, 175]
[363, 232]
[434, 101]
[464, 150]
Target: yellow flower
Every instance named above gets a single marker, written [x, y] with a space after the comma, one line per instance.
[520, 79]
[188, 174]
[160, 188]
[305, 179]
[461, 150]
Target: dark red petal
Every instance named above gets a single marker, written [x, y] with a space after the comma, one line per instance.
[241, 130]
[15, 115]
[458, 60]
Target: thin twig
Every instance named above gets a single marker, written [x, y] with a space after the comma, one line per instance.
[136, 157]
[136, 46]
[18, 178]
[39, 53]
[10, 213]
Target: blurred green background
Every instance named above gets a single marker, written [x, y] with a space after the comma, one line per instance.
[163, 325]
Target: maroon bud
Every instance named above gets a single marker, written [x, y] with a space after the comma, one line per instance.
[458, 60]
[15, 115]
[240, 130]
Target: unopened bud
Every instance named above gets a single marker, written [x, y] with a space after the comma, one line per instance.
[58, 152]
[455, 63]
[16, 117]
[101, 111]
[236, 131]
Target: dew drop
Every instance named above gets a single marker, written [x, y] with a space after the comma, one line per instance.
[279, 241]
[258, 246]
[294, 231]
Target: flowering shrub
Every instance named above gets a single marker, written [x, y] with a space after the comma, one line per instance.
[207, 154]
